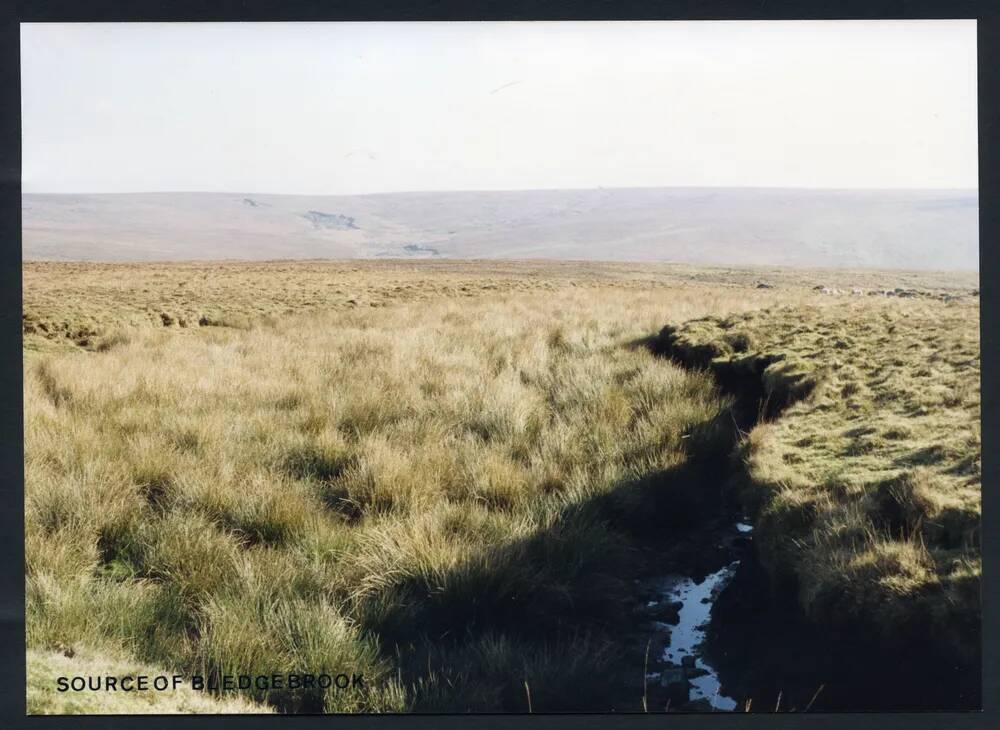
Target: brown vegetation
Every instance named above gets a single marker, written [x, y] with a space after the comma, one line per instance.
[436, 473]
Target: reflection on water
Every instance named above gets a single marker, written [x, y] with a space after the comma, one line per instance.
[687, 636]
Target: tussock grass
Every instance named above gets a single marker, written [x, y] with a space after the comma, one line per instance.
[434, 474]
[439, 496]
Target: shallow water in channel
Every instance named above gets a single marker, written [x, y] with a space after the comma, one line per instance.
[685, 603]
[687, 636]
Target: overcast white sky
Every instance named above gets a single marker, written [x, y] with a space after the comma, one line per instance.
[331, 108]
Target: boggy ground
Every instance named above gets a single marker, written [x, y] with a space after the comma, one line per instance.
[863, 474]
[451, 491]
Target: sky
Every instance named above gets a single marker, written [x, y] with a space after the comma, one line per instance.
[349, 108]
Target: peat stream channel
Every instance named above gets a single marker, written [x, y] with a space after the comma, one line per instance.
[676, 609]
[716, 633]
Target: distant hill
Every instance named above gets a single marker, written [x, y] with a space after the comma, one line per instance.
[906, 229]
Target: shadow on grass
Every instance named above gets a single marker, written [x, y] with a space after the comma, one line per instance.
[547, 608]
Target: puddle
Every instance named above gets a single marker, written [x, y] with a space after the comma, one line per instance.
[680, 615]
[687, 636]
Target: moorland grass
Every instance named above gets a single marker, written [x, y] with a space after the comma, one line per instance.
[44, 697]
[99, 305]
[436, 474]
[867, 486]
[438, 496]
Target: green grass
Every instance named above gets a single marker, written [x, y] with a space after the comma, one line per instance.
[867, 486]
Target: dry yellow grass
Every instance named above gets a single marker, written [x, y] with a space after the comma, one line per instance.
[44, 697]
[435, 491]
[334, 480]
[84, 303]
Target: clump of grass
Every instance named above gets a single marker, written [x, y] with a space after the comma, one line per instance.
[738, 341]
[903, 503]
[321, 459]
[114, 339]
[292, 635]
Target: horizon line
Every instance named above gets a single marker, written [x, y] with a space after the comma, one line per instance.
[974, 189]
[497, 260]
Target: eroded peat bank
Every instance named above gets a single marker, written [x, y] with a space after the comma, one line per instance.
[856, 456]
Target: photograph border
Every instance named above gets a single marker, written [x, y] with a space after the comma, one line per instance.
[12, 649]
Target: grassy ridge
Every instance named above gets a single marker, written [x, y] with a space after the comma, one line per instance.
[867, 486]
